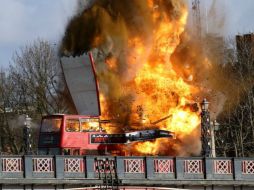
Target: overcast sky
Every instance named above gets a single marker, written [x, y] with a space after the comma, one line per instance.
[23, 21]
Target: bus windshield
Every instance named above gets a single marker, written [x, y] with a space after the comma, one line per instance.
[90, 124]
[51, 125]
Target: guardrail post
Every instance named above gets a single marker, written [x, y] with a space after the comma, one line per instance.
[179, 171]
[237, 165]
[90, 167]
[28, 166]
[208, 168]
[149, 167]
[120, 167]
[59, 161]
[1, 169]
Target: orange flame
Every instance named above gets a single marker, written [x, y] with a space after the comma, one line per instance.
[157, 88]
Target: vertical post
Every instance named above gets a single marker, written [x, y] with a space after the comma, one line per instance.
[1, 166]
[27, 136]
[28, 162]
[90, 167]
[59, 165]
[120, 166]
[237, 168]
[213, 153]
[196, 19]
[208, 168]
[149, 167]
[214, 127]
[179, 168]
[1, 141]
[205, 129]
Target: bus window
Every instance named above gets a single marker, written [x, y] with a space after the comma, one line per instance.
[72, 125]
[66, 151]
[84, 125]
[51, 125]
[75, 152]
[90, 125]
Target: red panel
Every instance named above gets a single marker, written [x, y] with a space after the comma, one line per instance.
[96, 81]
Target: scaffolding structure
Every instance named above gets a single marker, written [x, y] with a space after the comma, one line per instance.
[196, 19]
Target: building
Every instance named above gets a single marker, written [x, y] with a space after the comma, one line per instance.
[245, 46]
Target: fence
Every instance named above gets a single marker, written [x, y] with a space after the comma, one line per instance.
[166, 168]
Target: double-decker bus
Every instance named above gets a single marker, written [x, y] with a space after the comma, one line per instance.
[83, 135]
[70, 134]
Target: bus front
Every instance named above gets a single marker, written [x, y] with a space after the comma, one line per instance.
[50, 135]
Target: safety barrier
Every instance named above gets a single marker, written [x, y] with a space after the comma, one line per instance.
[173, 168]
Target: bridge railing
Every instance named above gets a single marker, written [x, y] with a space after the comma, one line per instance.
[166, 168]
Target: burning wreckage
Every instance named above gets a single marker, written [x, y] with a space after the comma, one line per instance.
[83, 134]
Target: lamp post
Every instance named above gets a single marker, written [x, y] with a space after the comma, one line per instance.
[205, 129]
[214, 127]
[27, 135]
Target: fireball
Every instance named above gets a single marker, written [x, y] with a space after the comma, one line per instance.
[150, 70]
[141, 85]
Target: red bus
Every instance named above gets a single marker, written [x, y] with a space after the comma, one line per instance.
[83, 135]
[70, 134]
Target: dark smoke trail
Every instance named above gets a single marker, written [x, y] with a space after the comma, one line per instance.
[112, 18]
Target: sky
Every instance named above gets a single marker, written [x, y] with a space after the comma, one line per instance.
[237, 15]
[23, 21]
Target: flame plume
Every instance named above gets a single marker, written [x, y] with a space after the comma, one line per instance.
[139, 85]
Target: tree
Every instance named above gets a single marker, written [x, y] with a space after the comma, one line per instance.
[37, 75]
[33, 85]
[8, 141]
[236, 136]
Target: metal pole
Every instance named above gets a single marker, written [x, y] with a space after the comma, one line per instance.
[205, 129]
[213, 152]
[27, 136]
[214, 127]
[1, 144]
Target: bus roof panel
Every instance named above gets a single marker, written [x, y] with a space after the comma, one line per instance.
[82, 85]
